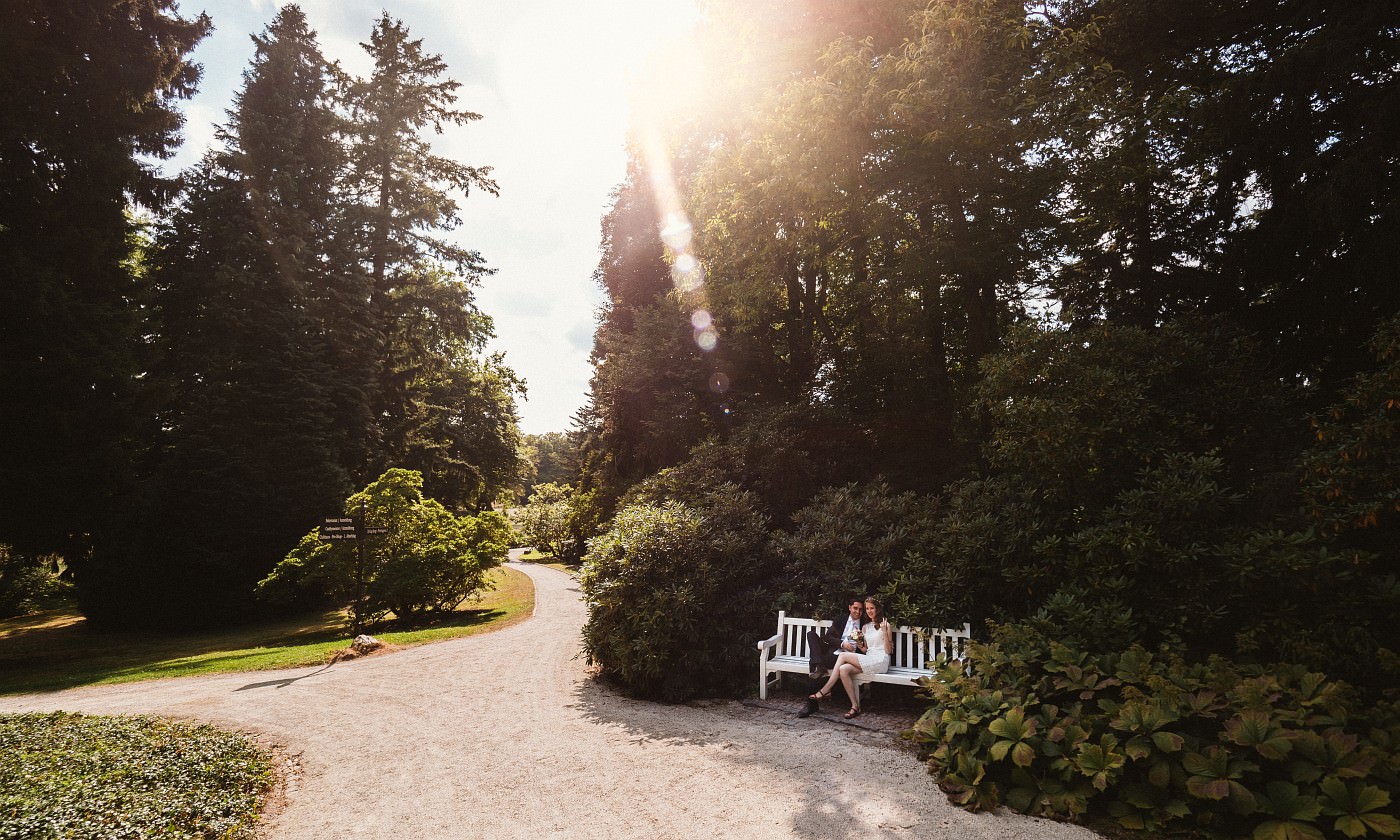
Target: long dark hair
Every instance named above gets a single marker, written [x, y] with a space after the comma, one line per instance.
[879, 611]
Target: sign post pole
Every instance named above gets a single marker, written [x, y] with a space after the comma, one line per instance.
[360, 569]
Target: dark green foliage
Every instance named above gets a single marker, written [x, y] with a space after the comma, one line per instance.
[783, 456]
[851, 541]
[83, 777]
[1353, 470]
[1156, 743]
[1140, 486]
[446, 410]
[677, 595]
[248, 399]
[427, 560]
[1109, 470]
[649, 400]
[87, 89]
[29, 584]
[282, 369]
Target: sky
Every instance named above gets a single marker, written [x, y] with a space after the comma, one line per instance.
[552, 80]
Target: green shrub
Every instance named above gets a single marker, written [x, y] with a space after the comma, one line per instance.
[427, 560]
[79, 777]
[29, 584]
[1157, 743]
[677, 595]
[543, 521]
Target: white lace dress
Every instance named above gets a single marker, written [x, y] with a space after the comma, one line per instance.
[875, 660]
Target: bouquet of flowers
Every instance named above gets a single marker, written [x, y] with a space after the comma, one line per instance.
[857, 640]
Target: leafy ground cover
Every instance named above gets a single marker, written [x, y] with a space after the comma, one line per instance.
[57, 649]
[78, 776]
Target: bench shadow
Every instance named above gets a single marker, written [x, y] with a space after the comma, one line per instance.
[821, 781]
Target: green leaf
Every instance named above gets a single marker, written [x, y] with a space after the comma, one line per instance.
[1254, 728]
[1286, 830]
[1013, 726]
[1022, 754]
[1168, 741]
[1205, 788]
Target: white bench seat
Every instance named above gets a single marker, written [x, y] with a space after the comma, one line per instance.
[916, 652]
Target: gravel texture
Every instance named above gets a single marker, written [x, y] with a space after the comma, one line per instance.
[504, 735]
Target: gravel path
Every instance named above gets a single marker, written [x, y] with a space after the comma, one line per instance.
[504, 735]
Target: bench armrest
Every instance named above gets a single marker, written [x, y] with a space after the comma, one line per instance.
[770, 642]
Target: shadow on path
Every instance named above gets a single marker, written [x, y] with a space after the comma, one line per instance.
[283, 683]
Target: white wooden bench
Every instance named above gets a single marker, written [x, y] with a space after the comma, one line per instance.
[916, 650]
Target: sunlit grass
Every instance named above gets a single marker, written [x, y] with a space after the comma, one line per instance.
[57, 649]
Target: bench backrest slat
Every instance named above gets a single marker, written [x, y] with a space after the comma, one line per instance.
[914, 647]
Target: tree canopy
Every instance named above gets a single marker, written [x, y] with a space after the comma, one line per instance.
[1098, 296]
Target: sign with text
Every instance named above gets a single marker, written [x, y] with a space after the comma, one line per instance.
[347, 528]
[339, 528]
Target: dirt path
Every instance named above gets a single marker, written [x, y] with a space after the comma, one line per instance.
[503, 735]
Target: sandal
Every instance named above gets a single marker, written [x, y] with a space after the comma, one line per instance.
[820, 695]
[854, 712]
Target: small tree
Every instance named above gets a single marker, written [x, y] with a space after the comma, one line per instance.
[427, 560]
[544, 521]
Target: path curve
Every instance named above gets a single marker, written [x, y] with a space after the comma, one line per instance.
[503, 735]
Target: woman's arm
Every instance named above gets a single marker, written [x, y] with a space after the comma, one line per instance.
[889, 639]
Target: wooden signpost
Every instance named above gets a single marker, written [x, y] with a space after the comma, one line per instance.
[338, 528]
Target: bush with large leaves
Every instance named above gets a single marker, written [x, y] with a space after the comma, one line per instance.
[1156, 743]
[678, 593]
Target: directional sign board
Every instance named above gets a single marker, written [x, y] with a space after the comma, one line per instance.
[347, 528]
[338, 528]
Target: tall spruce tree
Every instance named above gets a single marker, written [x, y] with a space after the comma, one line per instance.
[87, 94]
[247, 309]
[439, 407]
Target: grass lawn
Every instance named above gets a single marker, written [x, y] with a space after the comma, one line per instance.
[539, 557]
[56, 649]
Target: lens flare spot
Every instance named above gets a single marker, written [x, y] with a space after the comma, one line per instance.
[701, 319]
[677, 232]
[707, 339]
[686, 274]
[719, 383]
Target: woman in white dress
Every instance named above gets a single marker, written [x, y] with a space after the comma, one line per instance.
[874, 658]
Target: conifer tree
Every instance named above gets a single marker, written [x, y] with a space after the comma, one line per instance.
[247, 309]
[87, 92]
[440, 408]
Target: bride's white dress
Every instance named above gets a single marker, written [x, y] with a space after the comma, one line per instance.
[875, 660]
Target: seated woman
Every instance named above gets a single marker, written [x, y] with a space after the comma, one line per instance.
[875, 659]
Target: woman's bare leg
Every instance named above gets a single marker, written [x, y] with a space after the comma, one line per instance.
[842, 659]
[848, 679]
